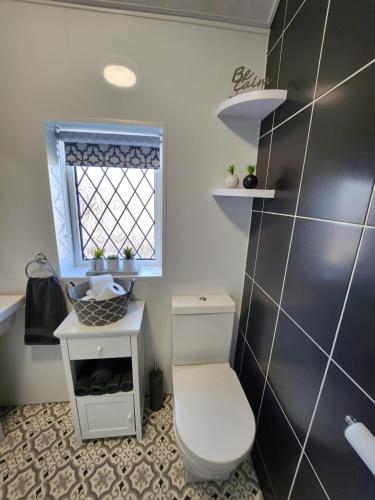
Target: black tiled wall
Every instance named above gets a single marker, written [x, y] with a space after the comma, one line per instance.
[306, 344]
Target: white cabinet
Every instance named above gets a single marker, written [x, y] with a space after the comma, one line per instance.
[107, 415]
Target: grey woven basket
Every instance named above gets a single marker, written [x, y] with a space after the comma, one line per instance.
[99, 312]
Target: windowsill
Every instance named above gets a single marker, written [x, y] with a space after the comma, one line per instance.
[145, 273]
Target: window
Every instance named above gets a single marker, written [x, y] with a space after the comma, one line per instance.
[111, 187]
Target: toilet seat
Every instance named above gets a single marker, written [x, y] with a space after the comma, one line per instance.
[214, 424]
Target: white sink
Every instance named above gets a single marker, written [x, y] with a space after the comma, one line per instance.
[9, 305]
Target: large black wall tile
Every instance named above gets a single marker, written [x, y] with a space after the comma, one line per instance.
[286, 162]
[340, 168]
[277, 24]
[355, 346]
[246, 293]
[238, 353]
[262, 161]
[307, 485]
[278, 445]
[272, 67]
[320, 263]
[272, 253]
[296, 372]
[344, 475]
[253, 242]
[299, 57]
[261, 326]
[266, 124]
[371, 219]
[349, 41]
[252, 380]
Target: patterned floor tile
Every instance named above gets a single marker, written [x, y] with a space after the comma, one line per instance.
[40, 460]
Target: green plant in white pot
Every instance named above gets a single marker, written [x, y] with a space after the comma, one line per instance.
[130, 262]
[97, 260]
[231, 180]
[113, 263]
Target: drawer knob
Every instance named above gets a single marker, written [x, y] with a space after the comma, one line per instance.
[99, 348]
[130, 417]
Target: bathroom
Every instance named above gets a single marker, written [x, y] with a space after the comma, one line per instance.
[290, 257]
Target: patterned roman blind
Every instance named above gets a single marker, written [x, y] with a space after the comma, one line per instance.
[111, 150]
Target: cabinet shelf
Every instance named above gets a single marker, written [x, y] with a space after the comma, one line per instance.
[255, 104]
[244, 193]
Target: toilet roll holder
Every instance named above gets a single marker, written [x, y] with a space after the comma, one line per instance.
[350, 420]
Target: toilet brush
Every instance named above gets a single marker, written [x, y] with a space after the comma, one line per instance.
[156, 387]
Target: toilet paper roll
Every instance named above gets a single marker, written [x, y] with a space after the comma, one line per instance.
[363, 441]
[111, 291]
[98, 283]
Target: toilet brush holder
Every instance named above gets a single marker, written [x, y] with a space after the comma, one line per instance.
[156, 389]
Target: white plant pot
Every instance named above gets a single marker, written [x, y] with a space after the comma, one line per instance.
[113, 265]
[98, 265]
[131, 266]
[231, 181]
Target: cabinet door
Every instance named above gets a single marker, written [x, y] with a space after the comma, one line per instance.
[106, 416]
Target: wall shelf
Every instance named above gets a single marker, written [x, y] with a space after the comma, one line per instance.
[255, 104]
[244, 193]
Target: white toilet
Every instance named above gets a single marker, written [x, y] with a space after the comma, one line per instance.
[213, 421]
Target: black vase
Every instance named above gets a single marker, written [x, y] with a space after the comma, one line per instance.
[250, 182]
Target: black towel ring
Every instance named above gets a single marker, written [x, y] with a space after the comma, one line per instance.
[40, 259]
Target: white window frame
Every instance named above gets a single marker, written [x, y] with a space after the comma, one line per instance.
[73, 265]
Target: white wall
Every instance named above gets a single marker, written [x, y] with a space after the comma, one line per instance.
[51, 59]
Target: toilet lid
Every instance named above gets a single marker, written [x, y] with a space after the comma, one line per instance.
[212, 415]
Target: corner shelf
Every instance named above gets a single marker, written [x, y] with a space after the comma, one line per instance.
[255, 104]
[244, 193]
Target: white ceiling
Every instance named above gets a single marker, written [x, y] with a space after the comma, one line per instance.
[246, 12]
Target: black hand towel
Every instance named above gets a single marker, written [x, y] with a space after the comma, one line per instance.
[82, 386]
[102, 373]
[113, 385]
[126, 383]
[96, 388]
[45, 310]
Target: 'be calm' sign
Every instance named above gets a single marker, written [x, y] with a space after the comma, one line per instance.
[245, 80]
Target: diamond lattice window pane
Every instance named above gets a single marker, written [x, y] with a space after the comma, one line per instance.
[116, 209]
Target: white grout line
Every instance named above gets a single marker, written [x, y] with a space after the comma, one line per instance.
[284, 413]
[352, 380]
[304, 331]
[316, 474]
[287, 26]
[317, 99]
[317, 219]
[265, 468]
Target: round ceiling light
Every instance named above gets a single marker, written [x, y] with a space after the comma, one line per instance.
[120, 76]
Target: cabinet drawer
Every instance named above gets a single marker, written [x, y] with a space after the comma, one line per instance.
[106, 416]
[99, 347]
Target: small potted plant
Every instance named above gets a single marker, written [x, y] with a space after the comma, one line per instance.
[130, 263]
[250, 181]
[97, 260]
[231, 181]
[113, 263]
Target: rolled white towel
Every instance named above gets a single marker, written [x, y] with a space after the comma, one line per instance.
[98, 283]
[111, 291]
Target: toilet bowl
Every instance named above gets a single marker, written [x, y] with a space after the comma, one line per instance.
[213, 422]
